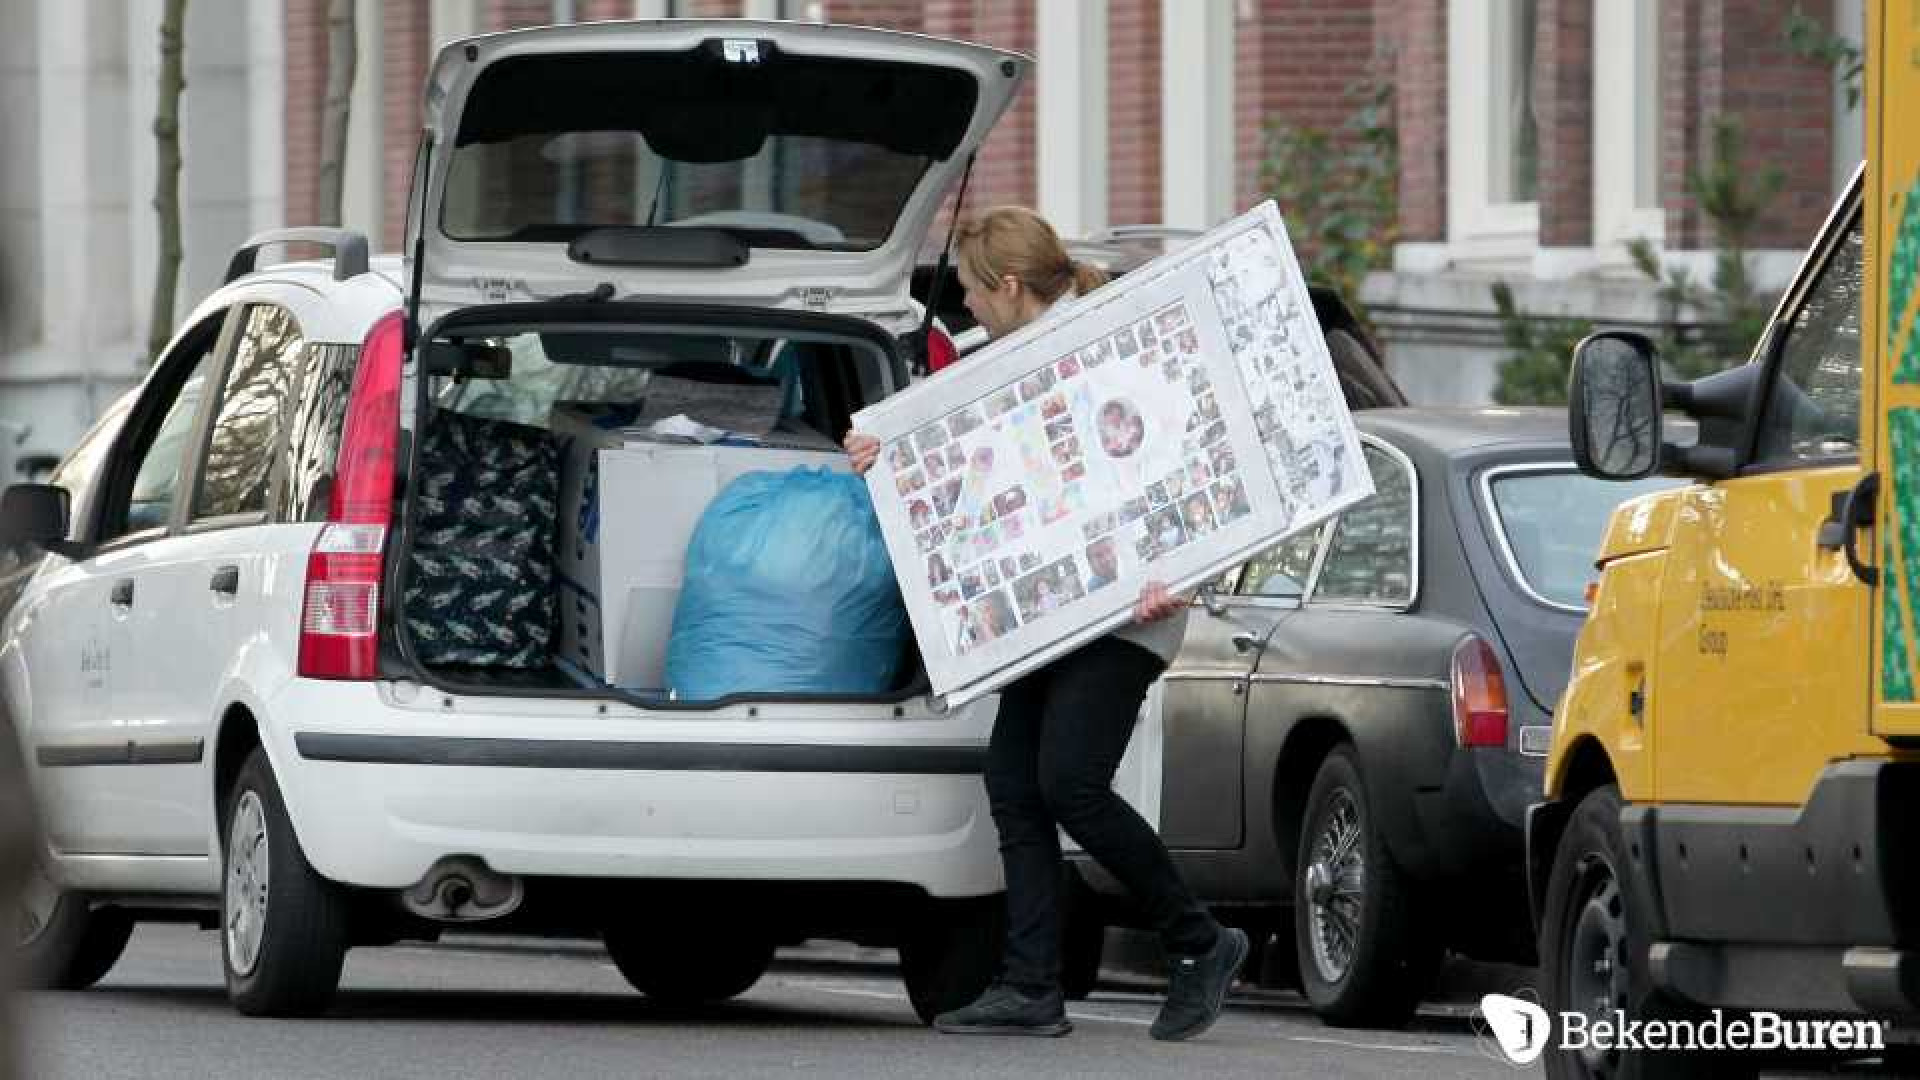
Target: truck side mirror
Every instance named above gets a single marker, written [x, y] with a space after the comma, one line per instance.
[1614, 406]
[38, 514]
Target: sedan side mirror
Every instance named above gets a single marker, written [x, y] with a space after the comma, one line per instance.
[1614, 406]
[38, 514]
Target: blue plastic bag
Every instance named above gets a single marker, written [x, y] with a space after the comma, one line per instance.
[788, 591]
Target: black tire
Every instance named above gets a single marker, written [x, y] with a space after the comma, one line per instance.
[1591, 912]
[1083, 938]
[950, 957]
[69, 945]
[1364, 960]
[300, 920]
[687, 968]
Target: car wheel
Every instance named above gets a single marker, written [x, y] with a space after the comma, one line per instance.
[688, 968]
[283, 927]
[1364, 961]
[64, 942]
[1593, 952]
[950, 957]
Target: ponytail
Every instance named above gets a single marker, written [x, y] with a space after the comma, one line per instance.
[1015, 241]
[1087, 277]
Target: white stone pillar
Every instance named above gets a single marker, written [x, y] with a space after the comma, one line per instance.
[267, 116]
[451, 20]
[361, 201]
[1196, 111]
[1071, 114]
[87, 307]
[216, 191]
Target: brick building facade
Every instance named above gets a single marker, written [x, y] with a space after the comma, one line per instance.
[1510, 165]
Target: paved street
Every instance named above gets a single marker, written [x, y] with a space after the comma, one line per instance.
[477, 1012]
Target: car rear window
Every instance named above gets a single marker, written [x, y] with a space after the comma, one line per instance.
[796, 151]
[1550, 524]
[795, 192]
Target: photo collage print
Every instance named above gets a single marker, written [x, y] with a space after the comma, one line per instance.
[1055, 486]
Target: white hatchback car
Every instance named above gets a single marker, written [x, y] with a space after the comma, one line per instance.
[296, 660]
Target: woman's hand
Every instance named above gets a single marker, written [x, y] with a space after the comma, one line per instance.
[864, 450]
[1156, 603]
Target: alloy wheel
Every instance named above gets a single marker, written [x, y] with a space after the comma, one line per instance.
[247, 879]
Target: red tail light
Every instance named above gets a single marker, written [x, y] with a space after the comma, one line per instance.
[1479, 695]
[339, 623]
[940, 350]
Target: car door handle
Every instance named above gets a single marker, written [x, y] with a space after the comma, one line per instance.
[122, 595]
[1245, 641]
[226, 580]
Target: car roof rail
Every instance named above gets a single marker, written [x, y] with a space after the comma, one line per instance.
[349, 249]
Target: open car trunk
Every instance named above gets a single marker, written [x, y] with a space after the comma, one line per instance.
[554, 488]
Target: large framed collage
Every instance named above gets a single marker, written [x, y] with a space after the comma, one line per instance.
[1165, 427]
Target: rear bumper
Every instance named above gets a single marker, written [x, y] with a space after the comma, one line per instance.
[1813, 908]
[378, 791]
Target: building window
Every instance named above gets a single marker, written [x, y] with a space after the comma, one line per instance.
[1514, 134]
[1493, 159]
[1626, 126]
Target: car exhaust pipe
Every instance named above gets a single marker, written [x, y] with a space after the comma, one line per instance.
[462, 889]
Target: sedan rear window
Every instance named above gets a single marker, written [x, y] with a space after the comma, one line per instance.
[1551, 522]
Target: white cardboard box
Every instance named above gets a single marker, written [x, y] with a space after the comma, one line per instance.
[621, 559]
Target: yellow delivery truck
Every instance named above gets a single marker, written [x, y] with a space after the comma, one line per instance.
[1732, 815]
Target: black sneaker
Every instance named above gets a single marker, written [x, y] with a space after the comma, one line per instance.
[1003, 1010]
[1197, 989]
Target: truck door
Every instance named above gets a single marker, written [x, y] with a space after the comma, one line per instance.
[1893, 331]
[1764, 629]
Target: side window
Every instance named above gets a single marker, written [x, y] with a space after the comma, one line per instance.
[156, 478]
[1283, 569]
[80, 472]
[1370, 559]
[1813, 408]
[318, 417]
[238, 471]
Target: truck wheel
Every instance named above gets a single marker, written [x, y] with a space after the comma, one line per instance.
[950, 957]
[64, 942]
[1363, 959]
[1593, 953]
[688, 968]
[283, 927]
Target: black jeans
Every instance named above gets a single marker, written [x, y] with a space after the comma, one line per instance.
[1059, 737]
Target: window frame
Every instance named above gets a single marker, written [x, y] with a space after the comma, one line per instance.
[1618, 214]
[190, 522]
[142, 424]
[1771, 351]
[1478, 227]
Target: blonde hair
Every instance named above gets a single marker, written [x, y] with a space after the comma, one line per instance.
[1013, 241]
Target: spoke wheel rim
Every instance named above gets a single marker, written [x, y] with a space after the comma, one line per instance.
[1596, 956]
[247, 881]
[1336, 880]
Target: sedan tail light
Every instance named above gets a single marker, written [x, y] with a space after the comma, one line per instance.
[1479, 695]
